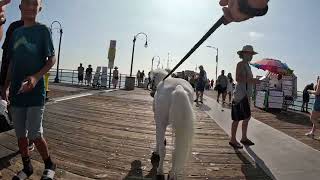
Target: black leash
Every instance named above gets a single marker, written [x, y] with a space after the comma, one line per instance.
[244, 7]
[195, 47]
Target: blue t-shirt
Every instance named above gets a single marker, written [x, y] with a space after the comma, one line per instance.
[30, 47]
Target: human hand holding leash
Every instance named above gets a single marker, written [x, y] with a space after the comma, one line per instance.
[241, 10]
[234, 11]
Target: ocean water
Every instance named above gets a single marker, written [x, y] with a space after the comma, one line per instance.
[299, 100]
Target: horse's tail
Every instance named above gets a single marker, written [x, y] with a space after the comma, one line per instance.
[182, 118]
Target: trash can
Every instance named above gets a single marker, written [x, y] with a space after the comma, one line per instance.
[129, 84]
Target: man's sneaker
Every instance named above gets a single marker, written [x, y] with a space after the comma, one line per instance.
[27, 170]
[49, 171]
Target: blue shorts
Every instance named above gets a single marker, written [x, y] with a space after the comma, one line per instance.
[316, 105]
[27, 121]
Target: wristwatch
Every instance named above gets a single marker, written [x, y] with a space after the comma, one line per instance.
[2, 21]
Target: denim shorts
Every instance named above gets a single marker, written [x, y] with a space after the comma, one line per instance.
[27, 121]
[316, 105]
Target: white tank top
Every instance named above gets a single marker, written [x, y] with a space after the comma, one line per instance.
[243, 89]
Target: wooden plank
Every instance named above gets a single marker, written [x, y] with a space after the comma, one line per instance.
[103, 136]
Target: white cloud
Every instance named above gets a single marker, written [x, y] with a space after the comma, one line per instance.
[255, 35]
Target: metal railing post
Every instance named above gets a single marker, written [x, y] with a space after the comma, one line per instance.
[120, 82]
[60, 74]
[72, 77]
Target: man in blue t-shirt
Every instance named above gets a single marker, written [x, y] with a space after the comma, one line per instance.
[31, 56]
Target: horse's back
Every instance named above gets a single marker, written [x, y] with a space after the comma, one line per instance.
[163, 95]
[170, 84]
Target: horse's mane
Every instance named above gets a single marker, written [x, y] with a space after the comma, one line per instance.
[158, 72]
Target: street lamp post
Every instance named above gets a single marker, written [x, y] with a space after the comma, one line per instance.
[56, 79]
[134, 44]
[153, 60]
[217, 59]
[130, 81]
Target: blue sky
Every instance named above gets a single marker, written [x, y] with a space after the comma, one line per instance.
[289, 32]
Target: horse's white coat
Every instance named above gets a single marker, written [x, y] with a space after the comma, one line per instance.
[173, 105]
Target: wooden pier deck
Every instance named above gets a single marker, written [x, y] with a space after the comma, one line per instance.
[112, 135]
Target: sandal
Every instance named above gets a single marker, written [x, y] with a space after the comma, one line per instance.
[235, 146]
[48, 174]
[21, 176]
[309, 134]
[247, 142]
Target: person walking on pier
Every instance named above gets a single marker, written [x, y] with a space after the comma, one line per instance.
[306, 97]
[33, 44]
[240, 110]
[138, 78]
[222, 83]
[200, 85]
[115, 77]
[315, 114]
[80, 74]
[88, 75]
[230, 87]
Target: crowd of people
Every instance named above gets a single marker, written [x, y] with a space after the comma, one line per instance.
[87, 75]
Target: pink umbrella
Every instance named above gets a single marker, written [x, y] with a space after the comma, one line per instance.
[273, 66]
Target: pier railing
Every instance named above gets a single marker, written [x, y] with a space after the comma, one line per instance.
[71, 77]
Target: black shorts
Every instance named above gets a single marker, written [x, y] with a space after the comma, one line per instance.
[222, 90]
[241, 111]
[306, 97]
[200, 86]
[80, 77]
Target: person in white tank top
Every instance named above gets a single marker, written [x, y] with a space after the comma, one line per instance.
[240, 110]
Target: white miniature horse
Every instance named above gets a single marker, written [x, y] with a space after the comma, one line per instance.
[173, 101]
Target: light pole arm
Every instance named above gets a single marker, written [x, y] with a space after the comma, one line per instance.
[134, 43]
[56, 80]
[135, 38]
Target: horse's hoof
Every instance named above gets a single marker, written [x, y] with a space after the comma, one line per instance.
[160, 177]
[155, 157]
[152, 93]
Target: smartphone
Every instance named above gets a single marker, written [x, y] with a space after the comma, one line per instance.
[24, 83]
